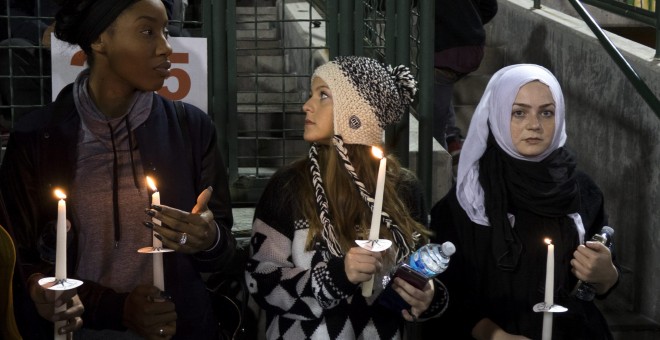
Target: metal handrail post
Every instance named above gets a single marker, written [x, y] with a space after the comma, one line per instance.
[332, 28]
[214, 28]
[403, 57]
[390, 31]
[537, 4]
[358, 28]
[346, 27]
[657, 32]
[425, 108]
[231, 125]
[390, 58]
[620, 61]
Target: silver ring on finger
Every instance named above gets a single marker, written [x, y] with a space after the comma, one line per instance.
[161, 332]
[183, 239]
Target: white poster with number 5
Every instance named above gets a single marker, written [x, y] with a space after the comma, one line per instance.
[188, 78]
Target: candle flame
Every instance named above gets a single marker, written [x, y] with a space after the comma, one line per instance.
[377, 152]
[547, 241]
[151, 184]
[59, 194]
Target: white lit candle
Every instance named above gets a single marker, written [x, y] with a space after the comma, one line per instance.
[159, 277]
[549, 290]
[374, 231]
[60, 257]
[60, 250]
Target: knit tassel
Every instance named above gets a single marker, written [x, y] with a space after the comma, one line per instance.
[343, 154]
[328, 232]
[403, 247]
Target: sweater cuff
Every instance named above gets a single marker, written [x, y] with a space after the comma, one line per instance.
[339, 278]
[439, 303]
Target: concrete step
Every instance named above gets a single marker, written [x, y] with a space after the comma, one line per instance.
[260, 64]
[245, 192]
[256, 19]
[267, 83]
[291, 123]
[268, 108]
[242, 228]
[494, 59]
[255, 10]
[470, 88]
[259, 48]
[248, 24]
[259, 34]
[243, 3]
[464, 116]
[270, 151]
[442, 167]
[270, 98]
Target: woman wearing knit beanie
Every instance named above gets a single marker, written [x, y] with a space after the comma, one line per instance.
[306, 269]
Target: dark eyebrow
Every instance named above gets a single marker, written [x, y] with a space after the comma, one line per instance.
[528, 106]
[148, 18]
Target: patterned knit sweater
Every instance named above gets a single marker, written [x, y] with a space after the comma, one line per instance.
[306, 294]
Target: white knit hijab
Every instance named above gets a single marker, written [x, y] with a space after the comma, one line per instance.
[495, 109]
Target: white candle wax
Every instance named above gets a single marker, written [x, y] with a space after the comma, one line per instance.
[60, 257]
[550, 275]
[549, 291]
[159, 277]
[155, 200]
[60, 250]
[374, 230]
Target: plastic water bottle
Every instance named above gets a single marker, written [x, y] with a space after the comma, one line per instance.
[432, 259]
[583, 290]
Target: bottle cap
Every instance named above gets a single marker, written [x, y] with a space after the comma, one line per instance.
[448, 248]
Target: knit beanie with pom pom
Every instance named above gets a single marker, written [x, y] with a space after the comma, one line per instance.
[367, 96]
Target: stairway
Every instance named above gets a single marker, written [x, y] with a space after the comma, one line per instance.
[469, 89]
[270, 117]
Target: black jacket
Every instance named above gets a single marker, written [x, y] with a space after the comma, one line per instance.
[478, 289]
[41, 155]
[461, 23]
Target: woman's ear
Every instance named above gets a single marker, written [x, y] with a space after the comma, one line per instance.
[98, 46]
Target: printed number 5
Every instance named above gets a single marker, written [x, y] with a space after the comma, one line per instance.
[181, 76]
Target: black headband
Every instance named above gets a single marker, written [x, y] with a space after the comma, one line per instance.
[101, 14]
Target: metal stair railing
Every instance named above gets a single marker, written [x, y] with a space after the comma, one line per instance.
[395, 32]
[630, 73]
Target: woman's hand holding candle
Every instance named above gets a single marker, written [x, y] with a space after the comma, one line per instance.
[187, 232]
[361, 264]
[147, 314]
[45, 300]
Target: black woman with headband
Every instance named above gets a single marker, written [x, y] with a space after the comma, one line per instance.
[98, 141]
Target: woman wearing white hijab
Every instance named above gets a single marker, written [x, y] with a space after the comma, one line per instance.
[516, 186]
